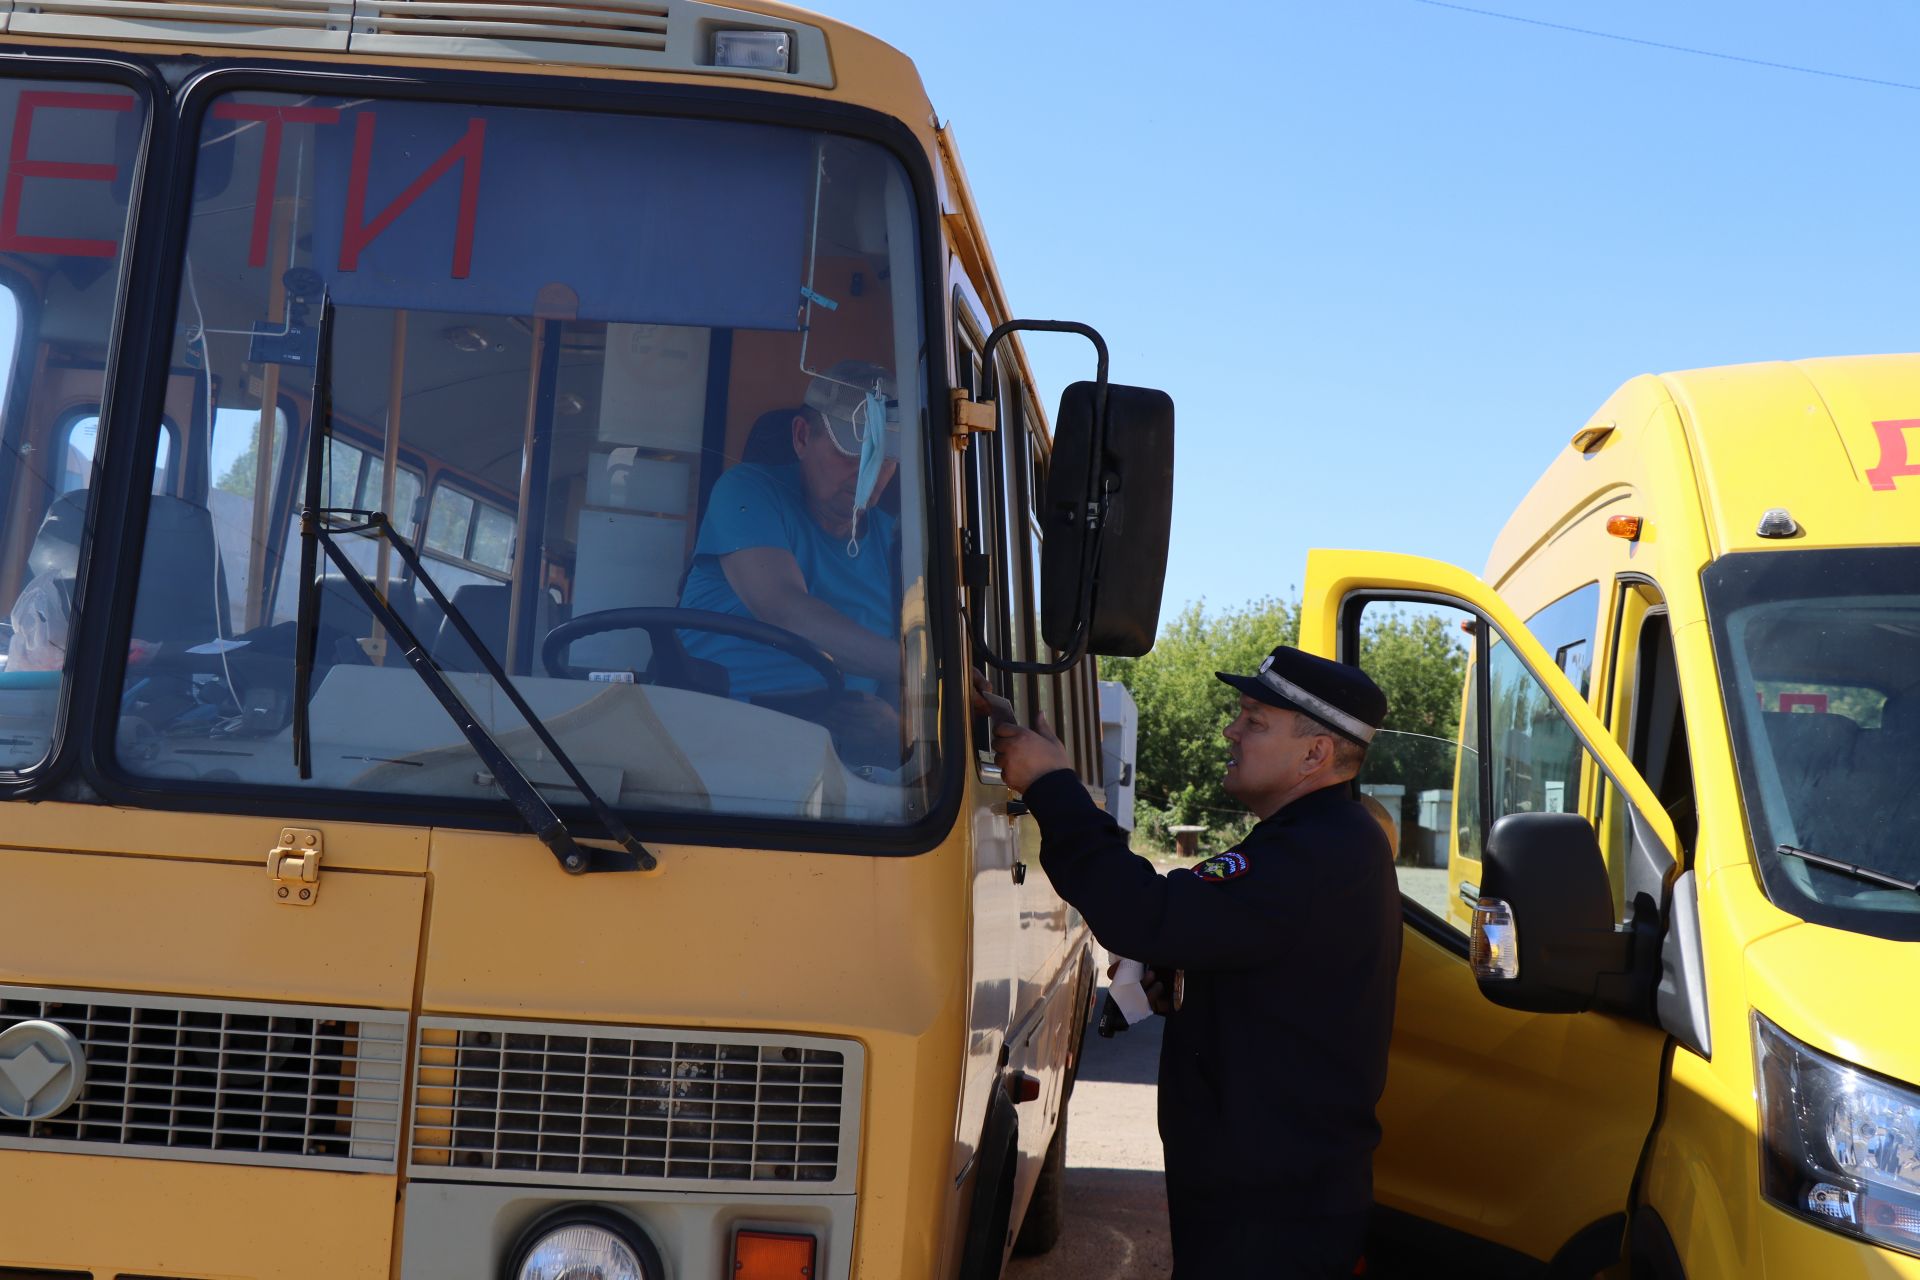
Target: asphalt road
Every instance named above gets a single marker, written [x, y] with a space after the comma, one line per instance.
[1116, 1197]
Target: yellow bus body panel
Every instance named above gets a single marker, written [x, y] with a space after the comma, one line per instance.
[864, 947]
[191, 917]
[208, 1221]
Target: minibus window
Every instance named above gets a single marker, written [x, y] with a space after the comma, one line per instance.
[1655, 731]
[71, 190]
[646, 405]
[1815, 653]
[1565, 630]
[1440, 751]
[1421, 776]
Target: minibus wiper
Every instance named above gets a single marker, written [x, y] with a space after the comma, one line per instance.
[1848, 868]
[316, 535]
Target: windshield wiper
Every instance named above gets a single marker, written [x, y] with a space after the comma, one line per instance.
[315, 536]
[1846, 868]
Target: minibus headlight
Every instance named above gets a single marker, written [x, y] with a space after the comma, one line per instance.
[578, 1241]
[1838, 1146]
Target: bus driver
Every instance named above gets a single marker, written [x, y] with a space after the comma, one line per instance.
[802, 546]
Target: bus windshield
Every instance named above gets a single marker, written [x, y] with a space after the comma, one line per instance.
[73, 169]
[1816, 652]
[646, 396]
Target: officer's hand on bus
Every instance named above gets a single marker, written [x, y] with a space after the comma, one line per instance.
[990, 704]
[1027, 755]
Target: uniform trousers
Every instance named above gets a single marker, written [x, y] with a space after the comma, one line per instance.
[1221, 1235]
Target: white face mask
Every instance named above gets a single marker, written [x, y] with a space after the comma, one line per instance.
[870, 426]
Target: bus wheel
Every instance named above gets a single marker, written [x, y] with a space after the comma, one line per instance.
[991, 1218]
[1046, 1211]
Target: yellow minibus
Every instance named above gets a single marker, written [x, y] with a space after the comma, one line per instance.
[500, 503]
[1659, 866]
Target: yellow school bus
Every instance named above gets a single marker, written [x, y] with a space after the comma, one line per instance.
[1652, 1016]
[405, 870]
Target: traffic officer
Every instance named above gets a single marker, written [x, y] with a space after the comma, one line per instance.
[1276, 1053]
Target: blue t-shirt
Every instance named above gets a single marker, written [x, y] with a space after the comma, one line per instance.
[761, 506]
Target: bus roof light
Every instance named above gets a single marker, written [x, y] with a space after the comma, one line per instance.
[767, 1255]
[1627, 527]
[753, 50]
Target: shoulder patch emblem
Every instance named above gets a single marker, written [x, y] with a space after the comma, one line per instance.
[1227, 866]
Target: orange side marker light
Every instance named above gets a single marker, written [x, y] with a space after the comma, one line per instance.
[766, 1255]
[1627, 527]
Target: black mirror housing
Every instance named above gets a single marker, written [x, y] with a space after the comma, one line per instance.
[1135, 478]
[1547, 867]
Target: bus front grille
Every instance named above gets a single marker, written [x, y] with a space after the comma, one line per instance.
[226, 1081]
[503, 1101]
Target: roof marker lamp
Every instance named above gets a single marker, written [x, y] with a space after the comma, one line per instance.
[753, 50]
[578, 1241]
[1838, 1147]
[1494, 948]
[1627, 527]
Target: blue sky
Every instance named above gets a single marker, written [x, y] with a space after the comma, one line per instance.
[1388, 255]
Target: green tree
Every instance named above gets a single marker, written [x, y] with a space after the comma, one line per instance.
[238, 478]
[1182, 757]
[1420, 662]
[1417, 659]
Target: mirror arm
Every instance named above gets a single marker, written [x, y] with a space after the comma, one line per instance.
[1094, 505]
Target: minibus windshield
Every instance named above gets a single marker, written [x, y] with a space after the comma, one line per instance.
[645, 394]
[1816, 653]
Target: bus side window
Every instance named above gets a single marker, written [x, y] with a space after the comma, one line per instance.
[1022, 555]
[985, 542]
[77, 444]
[1034, 481]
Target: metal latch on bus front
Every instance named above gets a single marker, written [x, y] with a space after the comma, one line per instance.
[293, 867]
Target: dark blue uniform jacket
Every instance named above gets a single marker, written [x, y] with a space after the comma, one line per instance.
[1270, 1070]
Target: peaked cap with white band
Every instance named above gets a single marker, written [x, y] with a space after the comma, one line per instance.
[1339, 696]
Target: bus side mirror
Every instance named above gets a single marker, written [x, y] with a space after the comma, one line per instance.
[1128, 522]
[1543, 935]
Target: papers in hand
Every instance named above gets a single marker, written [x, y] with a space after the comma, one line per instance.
[1129, 990]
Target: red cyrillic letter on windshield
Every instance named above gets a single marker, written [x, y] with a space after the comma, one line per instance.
[20, 168]
[276, 118]
[358, 233]
[1893, 453]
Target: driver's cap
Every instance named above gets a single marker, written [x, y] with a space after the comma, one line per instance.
[839, 395]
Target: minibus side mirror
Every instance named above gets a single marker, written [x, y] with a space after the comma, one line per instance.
[1127, 524]
[1543, 934]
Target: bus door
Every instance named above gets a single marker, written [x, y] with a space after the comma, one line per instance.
[1510, 1136]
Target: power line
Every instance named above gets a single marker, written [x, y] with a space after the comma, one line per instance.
[1670, 48]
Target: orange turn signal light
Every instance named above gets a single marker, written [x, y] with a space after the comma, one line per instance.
[1627, 527]
[767, 1255]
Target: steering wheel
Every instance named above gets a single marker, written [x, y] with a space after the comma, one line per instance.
[662, 626]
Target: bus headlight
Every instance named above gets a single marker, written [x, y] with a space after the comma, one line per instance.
[1837, 1146]
[574, 1242]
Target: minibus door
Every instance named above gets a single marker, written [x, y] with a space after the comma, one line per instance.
[1507, 1136]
